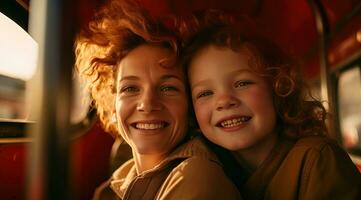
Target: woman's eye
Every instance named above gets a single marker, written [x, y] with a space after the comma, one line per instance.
[242, 83]
[168, 88]
[204, 94]
[129, 89]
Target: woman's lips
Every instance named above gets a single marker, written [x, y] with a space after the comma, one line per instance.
[154, 125]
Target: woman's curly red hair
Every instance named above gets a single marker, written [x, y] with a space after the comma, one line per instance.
[116, 29]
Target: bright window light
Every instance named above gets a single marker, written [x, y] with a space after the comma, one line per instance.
[18, 50]
[350, 107]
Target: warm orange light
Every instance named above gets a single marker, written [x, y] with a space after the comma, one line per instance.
[18, 50]
[358, 36]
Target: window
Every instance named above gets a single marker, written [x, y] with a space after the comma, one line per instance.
[18, 62]
[349, 97]
[18, 54]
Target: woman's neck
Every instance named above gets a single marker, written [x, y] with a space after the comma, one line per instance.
[251, 158]
[144, 162]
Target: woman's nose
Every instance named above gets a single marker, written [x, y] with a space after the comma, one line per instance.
[149, 102]
[227, 101]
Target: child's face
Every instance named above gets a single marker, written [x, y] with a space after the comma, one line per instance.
[233, 105]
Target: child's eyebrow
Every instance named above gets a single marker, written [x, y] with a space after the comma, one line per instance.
[241, 71]
[232, 73]
[200, 83]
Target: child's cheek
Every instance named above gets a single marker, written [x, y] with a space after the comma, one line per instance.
[203, 113]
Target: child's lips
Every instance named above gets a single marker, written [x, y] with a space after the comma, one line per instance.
[233, 121]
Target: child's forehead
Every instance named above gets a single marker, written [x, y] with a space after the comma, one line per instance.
[245, 49]
[239, 59]
[222, 57]
[212, 50]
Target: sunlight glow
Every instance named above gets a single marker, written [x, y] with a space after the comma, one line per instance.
[18, 50]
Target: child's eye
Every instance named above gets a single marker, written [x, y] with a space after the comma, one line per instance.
[204, 94]
[242, 83]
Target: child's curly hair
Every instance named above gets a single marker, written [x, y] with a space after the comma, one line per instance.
[298, 113]
[117, 28]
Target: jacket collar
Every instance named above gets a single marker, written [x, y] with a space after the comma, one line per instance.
[126, 174]
[254, 188]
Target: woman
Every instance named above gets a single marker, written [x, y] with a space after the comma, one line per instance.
[126, 52]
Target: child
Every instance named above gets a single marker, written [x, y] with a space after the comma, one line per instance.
[248, 98]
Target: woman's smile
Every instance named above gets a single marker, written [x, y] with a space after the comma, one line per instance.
[150, 125]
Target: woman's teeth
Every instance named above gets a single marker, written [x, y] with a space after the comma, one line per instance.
[235, 121]
[150, 126]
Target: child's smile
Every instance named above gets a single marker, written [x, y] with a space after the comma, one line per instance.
[234, 121]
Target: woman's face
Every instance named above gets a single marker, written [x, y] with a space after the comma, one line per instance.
[151, 101]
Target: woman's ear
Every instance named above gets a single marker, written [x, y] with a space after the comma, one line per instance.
[114, 116]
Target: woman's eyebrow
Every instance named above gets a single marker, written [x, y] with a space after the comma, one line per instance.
[128, 78]
[169, 76]
[164, 77]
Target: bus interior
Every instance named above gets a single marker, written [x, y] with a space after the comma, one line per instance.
[52, 145]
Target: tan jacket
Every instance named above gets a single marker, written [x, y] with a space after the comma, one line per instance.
[199, 176]
[313, 168]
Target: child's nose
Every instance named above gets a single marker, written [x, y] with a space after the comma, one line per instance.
[226, 101]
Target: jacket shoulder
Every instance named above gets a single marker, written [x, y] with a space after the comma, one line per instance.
[316, 167]
[198, 177]
[317, 143]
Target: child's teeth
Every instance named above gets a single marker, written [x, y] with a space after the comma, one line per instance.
[234, 122]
